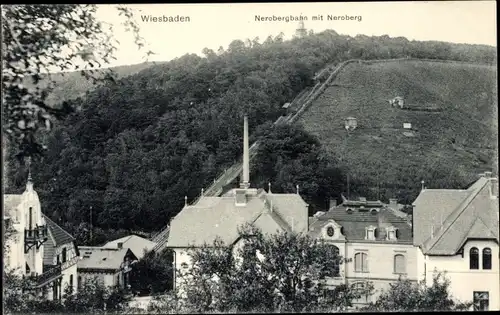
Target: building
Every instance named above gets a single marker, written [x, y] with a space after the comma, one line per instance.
[213, 217]
[456, 231]
[38, 247]
[138, 245]
[110, 266]
[398, 101]
[374, 238]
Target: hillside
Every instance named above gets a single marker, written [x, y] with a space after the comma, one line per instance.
[140, 145]
[446, 148]
[71, 85]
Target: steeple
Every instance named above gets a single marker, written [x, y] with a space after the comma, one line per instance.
[29, 182]
[245, 183]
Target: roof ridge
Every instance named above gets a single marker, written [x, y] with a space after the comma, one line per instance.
[432, 241]
[58, 226]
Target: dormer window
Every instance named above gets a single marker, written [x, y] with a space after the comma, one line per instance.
[391, 233]
[373, 211]
[370, 233]
[349, 210]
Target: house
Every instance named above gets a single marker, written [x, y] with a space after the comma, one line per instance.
[375, 240]
[456, 231]
[111, 266]
[138, 245]
[398, 101]
[213, 217]
[38, 247]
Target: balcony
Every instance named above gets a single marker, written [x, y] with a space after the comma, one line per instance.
[35, 237]
[50, 275]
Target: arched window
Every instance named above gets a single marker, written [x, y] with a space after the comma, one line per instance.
[487, 258]
[474, 258]
[399, 264]
[361, 262]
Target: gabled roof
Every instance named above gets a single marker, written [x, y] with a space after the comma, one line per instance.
[354, 224]
[201, 223]
[135, 243]
[59, 235]
[103, 258]
[475, 217]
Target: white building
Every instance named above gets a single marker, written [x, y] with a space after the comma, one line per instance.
[39, 247]
[375, 239]
[110, 266]
[213, 217]
[457, 232]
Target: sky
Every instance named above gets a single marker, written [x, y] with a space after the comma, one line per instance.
[214, 25]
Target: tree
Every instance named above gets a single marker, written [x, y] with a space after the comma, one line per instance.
[153, 273]
[279, 272]
[407, 296]
[38, 40]
[94, 297]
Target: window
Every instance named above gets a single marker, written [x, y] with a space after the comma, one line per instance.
[361, 262]
[330, 231]
[399, 264]
[474, 258]
[487, 258]
[30, 218]
[79, 284]
[481, 301]
[58, 260]
[370, 233]
[70, 283]
[64, 255]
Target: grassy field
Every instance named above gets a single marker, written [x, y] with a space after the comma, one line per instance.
[444, 148]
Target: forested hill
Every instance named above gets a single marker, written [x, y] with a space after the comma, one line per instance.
[70, 85]
[139, 146]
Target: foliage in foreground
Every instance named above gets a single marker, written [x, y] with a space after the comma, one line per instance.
[279, 272]
[407, 296]
[92, 297]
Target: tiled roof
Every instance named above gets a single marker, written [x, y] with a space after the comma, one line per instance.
[219, 216]
[354, 224]
[49, 251]
[102, 258]
[475, 217]
[59, 235]
[432, 206]
[135, 243]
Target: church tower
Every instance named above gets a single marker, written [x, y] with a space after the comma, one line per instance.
[35, 230]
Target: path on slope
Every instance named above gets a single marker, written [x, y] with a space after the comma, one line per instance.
[298, 106]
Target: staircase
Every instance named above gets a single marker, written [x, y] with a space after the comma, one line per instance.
[227, 176]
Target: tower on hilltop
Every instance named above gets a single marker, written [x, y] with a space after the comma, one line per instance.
[301, 31]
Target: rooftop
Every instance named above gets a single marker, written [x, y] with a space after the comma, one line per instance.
[444, 219]
[103, 258]
[220, 216]
[355, 221]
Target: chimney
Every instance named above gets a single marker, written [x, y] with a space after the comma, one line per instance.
[120, 245]
[393, 203]
[240, 197]
[246, 156]
[493, 188]
[333, 203]
[487, 174]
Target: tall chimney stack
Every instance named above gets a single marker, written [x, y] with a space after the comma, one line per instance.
[246, 156]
